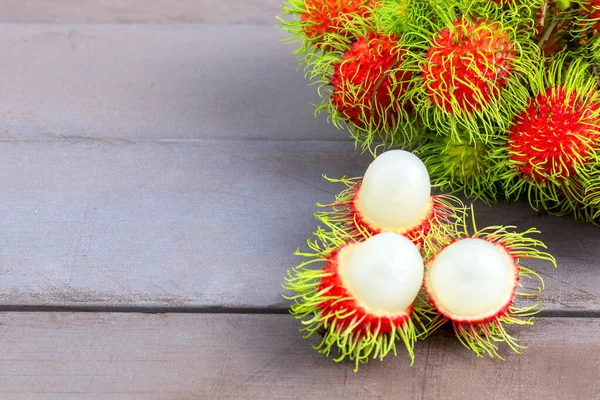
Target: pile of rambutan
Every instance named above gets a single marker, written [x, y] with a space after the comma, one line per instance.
[494, 99]
[499, 98]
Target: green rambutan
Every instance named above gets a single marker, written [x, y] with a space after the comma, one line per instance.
[552, 149]
[457, 164]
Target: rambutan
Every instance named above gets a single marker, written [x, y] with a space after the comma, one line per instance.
[394, 196]
[474, 281]
[322, 21]
[362, 81]
[466, 63]
[552, 148]
[362, 301]
[458, 164]
[364, 87]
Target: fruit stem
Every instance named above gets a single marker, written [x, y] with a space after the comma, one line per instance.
[547, 34]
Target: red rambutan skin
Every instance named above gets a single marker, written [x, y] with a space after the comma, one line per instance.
[493, 318]
[368, 322]
[329, 16]
[362, 81]
[548, 137]
[469, 63]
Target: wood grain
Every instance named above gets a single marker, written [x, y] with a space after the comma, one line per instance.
[154, 81]
[140, 11]
[209, 223]
[187, 356]
[185, 224]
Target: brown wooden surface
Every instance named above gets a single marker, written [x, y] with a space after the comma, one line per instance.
[201, 224]
[204, 356]
[163, 156]
[154, 82]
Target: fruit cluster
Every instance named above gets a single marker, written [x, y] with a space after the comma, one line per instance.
[390, 263]
[499, 98]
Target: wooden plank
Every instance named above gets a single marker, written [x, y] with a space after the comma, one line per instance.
[158, 81]
[199, 356]
[109, 223]
[140, 11]
[104, 222]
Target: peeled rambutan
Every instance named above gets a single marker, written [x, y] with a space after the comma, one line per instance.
[474, 281]
[362, 301]
[394, 196]
[552, 149]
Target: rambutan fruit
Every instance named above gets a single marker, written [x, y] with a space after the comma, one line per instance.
[363, 89]
[316, 22]
[466, 63]
[458, 164]
[473, 283]
[362, 300]
[394, 196]
[552, 149]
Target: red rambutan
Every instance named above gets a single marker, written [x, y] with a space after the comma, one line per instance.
[326, 24]
[552, 150]
[321, 17]
[556, 132]
[467, 65]
[365, 85]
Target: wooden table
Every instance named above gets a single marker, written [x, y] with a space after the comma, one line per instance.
[159, 163]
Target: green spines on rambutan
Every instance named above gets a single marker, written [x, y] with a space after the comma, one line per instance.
[462, 64]
[362, 89]
[315, 21]
[459, 164]
[552, 148]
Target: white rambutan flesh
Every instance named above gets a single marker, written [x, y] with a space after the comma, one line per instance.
[384, 273]
[472, 280]
[395, 191]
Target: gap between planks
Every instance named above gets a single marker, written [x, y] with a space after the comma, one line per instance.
[223, 310]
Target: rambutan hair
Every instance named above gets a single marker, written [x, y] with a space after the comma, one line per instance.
[482, 334]
[461, 164]
[552, 150]
[362, 85]
[320, 25]
[463, 61]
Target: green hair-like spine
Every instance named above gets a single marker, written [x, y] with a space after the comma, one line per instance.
[487, 117]
[461, 165]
